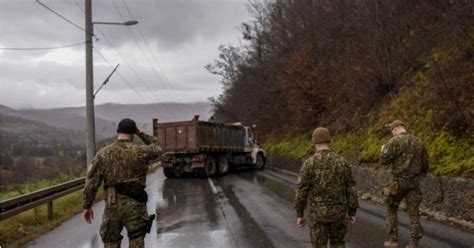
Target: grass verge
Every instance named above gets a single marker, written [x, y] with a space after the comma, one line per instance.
[449, 156]
[15, 190]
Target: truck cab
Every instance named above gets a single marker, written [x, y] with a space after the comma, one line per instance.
[259, 156]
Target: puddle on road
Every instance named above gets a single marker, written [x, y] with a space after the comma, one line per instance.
[249, 229]
[188, 216]
[282, 189]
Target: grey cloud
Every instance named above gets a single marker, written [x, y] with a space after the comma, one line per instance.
[168, 23]
[184, 36]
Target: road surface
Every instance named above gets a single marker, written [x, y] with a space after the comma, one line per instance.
[245, 209]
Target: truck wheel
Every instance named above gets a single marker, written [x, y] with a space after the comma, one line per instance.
[169, 172]
[210, 168]
[178, 170]
[260, 164]
[223, 165]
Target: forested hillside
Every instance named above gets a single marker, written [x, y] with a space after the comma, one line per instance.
[353, 66]
[32, 151]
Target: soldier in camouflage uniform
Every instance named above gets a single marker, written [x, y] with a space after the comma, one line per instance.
[409, 161]
[122, 168]
[326, 180]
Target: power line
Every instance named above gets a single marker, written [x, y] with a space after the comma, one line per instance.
[61, 16]
[164, 79]
[136, 74]
[119, 55]
[112, 46]
[156, 73]
[115, 50]
[145, 41]
[39, 48]
[119, 74]
[79, 6]
[130, 67]
[136, 40]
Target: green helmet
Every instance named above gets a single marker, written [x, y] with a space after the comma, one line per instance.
[321, 135]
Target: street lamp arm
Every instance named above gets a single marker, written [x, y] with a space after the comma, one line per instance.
[127, 23]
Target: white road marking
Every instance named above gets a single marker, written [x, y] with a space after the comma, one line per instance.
[213, 187]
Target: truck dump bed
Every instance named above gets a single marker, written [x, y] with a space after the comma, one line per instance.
[198, 136]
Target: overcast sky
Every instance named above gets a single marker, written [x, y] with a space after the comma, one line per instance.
[182, 36]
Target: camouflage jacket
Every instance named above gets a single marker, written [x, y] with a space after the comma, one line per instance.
[120, 162]
[326, 180]
[406, 155]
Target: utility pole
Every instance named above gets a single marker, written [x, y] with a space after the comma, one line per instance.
[90, 115]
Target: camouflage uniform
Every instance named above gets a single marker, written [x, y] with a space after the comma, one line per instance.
[119, 163]
[326, 179]
[408, 160]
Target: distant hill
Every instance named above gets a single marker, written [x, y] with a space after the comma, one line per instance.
[62, 118]
[107, 115]
[6, 110]
[15, 130]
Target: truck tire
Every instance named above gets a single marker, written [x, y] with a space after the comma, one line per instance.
[210, 167]
[223, 165]
[178, 170]
[169, 172]
[260, 163]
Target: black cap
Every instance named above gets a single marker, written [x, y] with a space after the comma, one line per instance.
[127, 126]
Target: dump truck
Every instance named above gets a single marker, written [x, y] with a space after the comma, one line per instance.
[207, 149]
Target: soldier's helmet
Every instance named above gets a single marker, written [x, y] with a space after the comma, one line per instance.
[321, 135]
[396, 123]
[127, 126]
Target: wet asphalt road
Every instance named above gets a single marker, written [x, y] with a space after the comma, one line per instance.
[245, 209]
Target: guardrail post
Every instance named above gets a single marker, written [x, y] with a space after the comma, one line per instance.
[50, 210]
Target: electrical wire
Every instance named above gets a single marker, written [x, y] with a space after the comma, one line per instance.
[146, 42]
[120, 75]
[166, 79]
[61, 16]
[39, 48]
[79, 6]
[117, 53]
[112, 46]
[155, 71]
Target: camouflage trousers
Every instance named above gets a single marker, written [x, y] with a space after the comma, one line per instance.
[127, 213]
[413, 199]
[334, 232]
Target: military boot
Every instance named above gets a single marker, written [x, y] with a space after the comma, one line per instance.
[412, 244]
[391, 243]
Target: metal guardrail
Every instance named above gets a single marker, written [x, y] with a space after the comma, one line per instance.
[14, 206]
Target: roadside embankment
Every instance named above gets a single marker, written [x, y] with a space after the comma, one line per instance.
[444, 198]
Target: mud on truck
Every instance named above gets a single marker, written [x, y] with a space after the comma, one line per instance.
[206, 149]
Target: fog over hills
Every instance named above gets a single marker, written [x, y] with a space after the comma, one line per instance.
[16, 130]
[107, 115]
